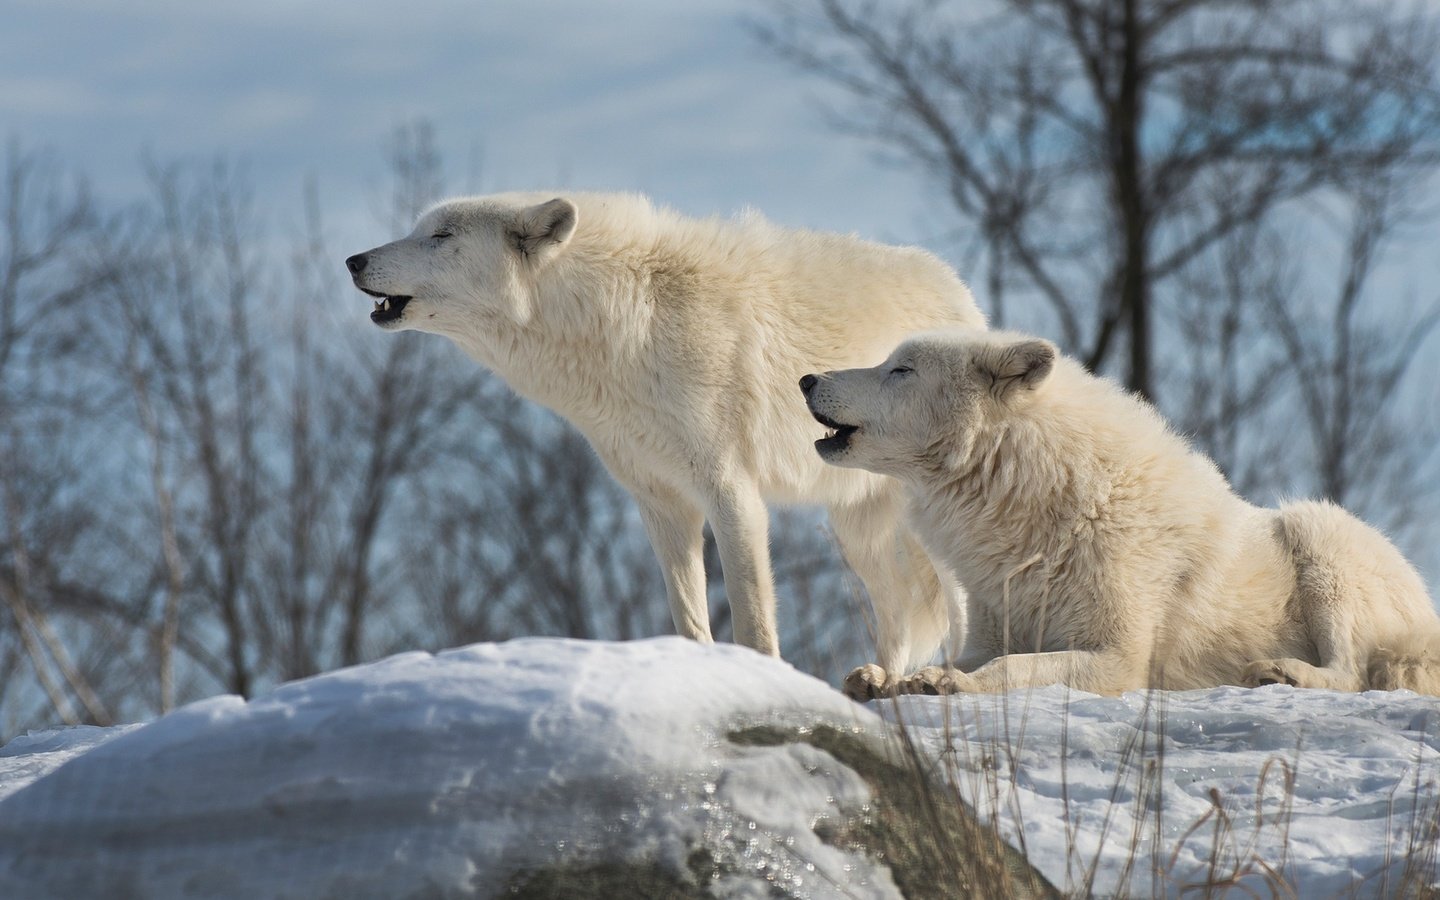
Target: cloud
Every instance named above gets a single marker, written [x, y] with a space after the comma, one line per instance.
[670, 98]
[48, 96]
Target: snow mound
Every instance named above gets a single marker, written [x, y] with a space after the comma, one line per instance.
[447, 775]
[1273, 791]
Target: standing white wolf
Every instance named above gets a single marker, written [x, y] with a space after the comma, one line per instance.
[1101, 551]
[673, 344]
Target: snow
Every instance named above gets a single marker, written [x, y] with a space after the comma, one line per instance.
[442, 775]
[452, 774]
[1345, 785]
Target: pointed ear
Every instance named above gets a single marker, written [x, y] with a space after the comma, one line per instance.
[539, 231]
[1017, 366]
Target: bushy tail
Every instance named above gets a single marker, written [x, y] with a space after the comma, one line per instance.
[1411, 662]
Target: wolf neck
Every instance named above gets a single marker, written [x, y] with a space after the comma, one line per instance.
[569, 346]
[1014, 466]
[1015, 475]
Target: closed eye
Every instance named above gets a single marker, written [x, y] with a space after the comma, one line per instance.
[441, 235]
[901, 370]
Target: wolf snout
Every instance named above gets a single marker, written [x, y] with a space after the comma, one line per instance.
[356, 263]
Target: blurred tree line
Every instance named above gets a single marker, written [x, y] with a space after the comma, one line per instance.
[215, 475]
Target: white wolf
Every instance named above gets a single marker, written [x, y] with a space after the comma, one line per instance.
[1110, 554]
[673, 344]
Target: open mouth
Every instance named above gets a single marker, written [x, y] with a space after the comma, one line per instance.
[388, 308]
[839, 437]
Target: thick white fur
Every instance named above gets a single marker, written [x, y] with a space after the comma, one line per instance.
[674, 345]
[1099, 550]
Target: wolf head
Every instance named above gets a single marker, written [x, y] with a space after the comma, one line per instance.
[466, 259]
[924, 405]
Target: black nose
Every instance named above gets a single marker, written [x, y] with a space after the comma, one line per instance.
[806, 383]
[356, 263]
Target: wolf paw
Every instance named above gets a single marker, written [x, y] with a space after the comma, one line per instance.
[934, 680]
[1270, 671]
[867, 683]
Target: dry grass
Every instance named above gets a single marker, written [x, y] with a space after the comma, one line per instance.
[1244, 850]
[931, 841]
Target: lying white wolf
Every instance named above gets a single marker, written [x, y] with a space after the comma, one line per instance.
[1112, 555]
[673, 344]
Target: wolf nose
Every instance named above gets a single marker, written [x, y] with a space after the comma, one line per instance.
[806, 383]
[356, 263]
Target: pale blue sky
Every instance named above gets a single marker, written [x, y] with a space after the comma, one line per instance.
[671, 98]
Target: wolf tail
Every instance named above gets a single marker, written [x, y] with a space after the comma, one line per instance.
[1411, 662]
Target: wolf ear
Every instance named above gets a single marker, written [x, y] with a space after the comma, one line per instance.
[539, 231]
[1016, 366]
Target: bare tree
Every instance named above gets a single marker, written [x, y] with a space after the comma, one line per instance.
[278, 442]
[45, 279]
[1367, 453]
[1100, 149]
[533, 537]
[192, 357]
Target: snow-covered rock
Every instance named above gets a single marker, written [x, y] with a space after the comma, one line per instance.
[450, 775]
